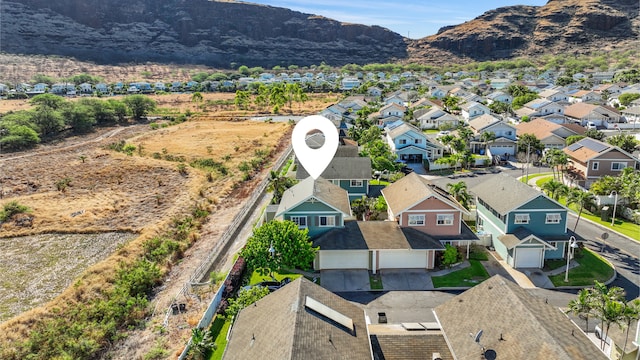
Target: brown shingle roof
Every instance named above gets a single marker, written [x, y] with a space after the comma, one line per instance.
[503, 192]
[482, 122]
[410, 190]
[410, 347]
[579, 110]
[529, 327]
[280, 326]
[540, 128]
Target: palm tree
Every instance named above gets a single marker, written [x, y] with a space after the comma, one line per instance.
[581, 199]
[606, 312]
[554, 189]
[465, 134]
[487, 137]
[278, 184]
[582, 305]
[630, 313]
[459, 192]
[611, 314]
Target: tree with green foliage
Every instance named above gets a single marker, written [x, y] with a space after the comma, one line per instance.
[51, 101]
[451, 103]
[555, 189]
[102, 111]
[245, 298]
[279, 184]
[202, 343]
[594, 134]
[382, 158]
[242, 99]
[459, 192]
[583, 306]
[564, 81]
[529, 143]
[119, 110]
[626, 98]
[450, 255]
[139, 105]
[487, 137]
[12, 208]
[48, 120]
[608, 306]
[197, 97]
[17, 137]
[626, 142]
[556, 159]
[499, 107]
[574, 139]
[278, 245]
[581, 199]
[630, 313]
[519, 101]
[80, 117]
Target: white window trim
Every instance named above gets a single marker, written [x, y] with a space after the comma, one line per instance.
[553, 218]
[521, 219]
[418, 219]
[357, 183]
[330, 221]
[402, 141]
[595, 165]
[296, 220]
[624, 165]
[444, 219]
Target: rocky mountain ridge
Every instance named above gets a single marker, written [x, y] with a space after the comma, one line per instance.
[220, 34]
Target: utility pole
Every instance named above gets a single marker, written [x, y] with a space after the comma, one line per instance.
[528, 150]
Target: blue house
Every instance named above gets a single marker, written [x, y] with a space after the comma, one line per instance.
[525, 225]
[411, 144]
[316, 205]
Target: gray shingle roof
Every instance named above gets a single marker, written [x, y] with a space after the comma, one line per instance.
[280, 326]
[405, 127]
[375, 235]
[344, 168]
[320, 189]
[483, 121]
[529, 327]
[504, 193]
[410, 347]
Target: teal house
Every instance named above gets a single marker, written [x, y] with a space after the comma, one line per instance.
[316, 205]
[526, 226]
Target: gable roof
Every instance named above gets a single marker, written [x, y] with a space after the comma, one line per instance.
[343, 168]
[529, 327]
[483, 121]
[412, 189]
[320, 189]
[284, 325]
[404, 128]
[586, 149]
[504, 193]
[538, 127]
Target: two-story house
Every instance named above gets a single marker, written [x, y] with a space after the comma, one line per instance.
[317, 205]
[471, 110]
[590, 159]
[550, 134]
[505, 141]
[499, 96]
[411, 144]
[435, 117]
[525, 225]
[583, 113]
[541, 108]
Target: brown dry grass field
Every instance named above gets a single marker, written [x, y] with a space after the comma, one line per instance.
[140, 195]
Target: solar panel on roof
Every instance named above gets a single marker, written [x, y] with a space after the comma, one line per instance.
[593, 145]
[574, 146]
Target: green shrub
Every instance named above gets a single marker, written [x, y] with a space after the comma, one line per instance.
[12, 208]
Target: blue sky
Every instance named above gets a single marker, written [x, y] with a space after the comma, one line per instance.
[411, 18]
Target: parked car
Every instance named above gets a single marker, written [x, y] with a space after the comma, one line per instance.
[591, 125]
[271, 285]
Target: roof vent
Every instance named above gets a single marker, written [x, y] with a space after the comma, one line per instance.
[436, 356]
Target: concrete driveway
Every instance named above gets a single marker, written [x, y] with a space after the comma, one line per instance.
[345, 280]
[405, 279]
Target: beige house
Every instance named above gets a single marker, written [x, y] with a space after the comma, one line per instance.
[552, 135]
[582, 113]
[590, 159]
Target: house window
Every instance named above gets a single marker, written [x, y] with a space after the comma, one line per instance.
[618, 166]
[595, 165]
[403, 141]
[553, 219]
[554, 244]
[356, 183]
[509, 133]
[444, 219]
[327, 221]
[418, 141]
[416, 220]
[301, 221]
[521, 219]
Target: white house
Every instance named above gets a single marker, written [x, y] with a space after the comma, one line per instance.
[473, 109]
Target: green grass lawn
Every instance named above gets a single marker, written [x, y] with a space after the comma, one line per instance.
[554, 264]
[534, 176]
[592, 267]
[219, 329]
[375, 281]
[478, 255]
[543, 180]
[469, 276]
[379, 182]
[621, 225]
[256, 277]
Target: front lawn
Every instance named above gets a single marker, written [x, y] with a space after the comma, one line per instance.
[378, 182]
[219, 329]
[592, 267]
[622, 226]
[375, 281]
[470, 276]
[256, 277]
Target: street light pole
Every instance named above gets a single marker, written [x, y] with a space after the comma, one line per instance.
[572, 245]
[615, 203]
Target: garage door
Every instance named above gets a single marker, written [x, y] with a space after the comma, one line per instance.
[528, 257]
[343, 259]
[403, 259]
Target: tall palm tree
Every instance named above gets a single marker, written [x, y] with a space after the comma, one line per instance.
[581, 199]
[630, 313]
[604, 310]
[612, 314]
[487, 137]
[459, 192]
[278, 184]
[582, 305]
[555, 189]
